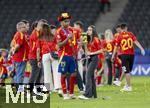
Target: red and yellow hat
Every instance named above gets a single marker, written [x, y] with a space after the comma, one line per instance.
[63, 16]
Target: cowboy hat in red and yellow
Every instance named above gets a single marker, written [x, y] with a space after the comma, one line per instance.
[63, 16]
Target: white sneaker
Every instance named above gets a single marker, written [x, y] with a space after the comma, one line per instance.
[82, 92]
[117, 83]
[127, 88]
[72, 96]
[130, 88]
[66, 97]
[83, 97]
[60, 93]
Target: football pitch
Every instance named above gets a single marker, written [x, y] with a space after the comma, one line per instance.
[108, 97]
[111, 97]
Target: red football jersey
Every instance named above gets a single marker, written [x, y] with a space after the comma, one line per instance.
[116, 35]
[27, 46]
[115, 38]
[46, 47]
[32, 44]
[69, 48]
[75, 39]
[125, 41]
[20, 55]
[109, 46]
[95, 45]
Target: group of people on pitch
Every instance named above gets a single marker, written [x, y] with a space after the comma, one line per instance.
[61, 57]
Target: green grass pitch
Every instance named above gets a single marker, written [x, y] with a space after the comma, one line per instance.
[108, 97]
[111, 97]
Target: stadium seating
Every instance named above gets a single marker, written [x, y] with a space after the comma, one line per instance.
[12, 11]
[137, 14]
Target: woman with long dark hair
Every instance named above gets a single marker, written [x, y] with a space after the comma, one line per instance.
[93, 48]
[45, 45]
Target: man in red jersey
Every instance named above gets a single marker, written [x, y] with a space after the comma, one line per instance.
[118, 30]
[27, 36]
[117, 62]
[67, 65]
[78, 26]
[76, 43]
[36, 72]
[18, 51]
[125, 41]
[27, 70]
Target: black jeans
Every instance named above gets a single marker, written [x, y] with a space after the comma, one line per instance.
[90, 81]
[109, 63]
[79, 80]
[36, 73]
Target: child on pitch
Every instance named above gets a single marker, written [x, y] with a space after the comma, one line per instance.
[6, 67]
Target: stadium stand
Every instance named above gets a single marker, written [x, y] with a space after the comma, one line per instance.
[137, 14]
[13, 11]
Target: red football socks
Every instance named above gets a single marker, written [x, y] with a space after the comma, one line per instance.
[63, 84]
[72, 83]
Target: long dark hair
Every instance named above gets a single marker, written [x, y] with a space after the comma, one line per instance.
[34, 25]
[94, 34]
[45, 33]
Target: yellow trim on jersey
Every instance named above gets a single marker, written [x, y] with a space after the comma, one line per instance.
[1, 72]
[37, 33]
[24, 56]
[62, 55]
[21, 34]
[33, 46]
[1, 58]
